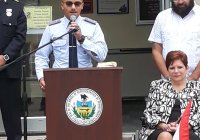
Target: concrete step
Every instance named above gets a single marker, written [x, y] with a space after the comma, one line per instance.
[126, 136]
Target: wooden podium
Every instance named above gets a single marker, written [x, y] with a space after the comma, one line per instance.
[63, 102]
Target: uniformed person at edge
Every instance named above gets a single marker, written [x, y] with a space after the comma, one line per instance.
[13, 29]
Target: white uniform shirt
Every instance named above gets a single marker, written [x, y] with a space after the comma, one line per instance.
[176, 33]
[94, 42]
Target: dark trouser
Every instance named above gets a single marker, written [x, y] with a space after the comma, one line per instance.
[155, 134]
[11, 107]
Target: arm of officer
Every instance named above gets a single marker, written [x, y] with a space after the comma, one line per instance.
[2, 60]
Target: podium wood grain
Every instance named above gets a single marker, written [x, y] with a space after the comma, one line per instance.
[61, 82]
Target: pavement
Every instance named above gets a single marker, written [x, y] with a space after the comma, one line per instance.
[126, 136]
[132, 111]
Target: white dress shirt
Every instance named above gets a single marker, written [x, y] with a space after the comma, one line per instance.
[176, 33]
[94, 42]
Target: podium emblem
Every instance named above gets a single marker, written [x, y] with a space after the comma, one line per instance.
[83, 106]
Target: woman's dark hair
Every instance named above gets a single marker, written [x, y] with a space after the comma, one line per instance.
[176, 55]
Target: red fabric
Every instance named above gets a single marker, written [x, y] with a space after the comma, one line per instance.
[184, 124]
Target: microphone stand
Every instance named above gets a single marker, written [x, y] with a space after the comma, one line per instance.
[24, 100]
[33, 51]
[24, 94]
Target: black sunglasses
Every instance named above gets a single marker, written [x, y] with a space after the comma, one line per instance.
[69, 3]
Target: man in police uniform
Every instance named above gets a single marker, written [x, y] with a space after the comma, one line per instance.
[89, 38]
[12, 38]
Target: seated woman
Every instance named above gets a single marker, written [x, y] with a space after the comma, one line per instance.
[167, 100]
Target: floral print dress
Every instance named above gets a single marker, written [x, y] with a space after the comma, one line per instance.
[161, 100]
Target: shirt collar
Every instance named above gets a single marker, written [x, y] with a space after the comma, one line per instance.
[196, 8]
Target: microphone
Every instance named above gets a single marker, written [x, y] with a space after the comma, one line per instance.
[72, 19]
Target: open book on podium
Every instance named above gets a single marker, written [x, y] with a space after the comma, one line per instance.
[107, 64]
[84, 103]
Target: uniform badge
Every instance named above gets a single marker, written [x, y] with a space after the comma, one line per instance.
[9, 12]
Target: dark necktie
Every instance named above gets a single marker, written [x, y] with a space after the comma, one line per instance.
[73, 62]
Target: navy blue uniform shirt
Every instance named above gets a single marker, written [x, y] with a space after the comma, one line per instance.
[13, 35]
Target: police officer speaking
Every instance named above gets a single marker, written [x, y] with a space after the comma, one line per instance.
[78, 49]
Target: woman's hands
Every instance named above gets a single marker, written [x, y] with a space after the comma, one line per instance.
[163, 126]
[170, 127]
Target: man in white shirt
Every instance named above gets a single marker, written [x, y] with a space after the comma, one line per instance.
[177, 28]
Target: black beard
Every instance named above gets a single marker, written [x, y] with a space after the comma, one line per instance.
[183, 11]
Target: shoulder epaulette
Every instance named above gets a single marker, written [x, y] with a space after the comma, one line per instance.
[90, 20]
[54, 22]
